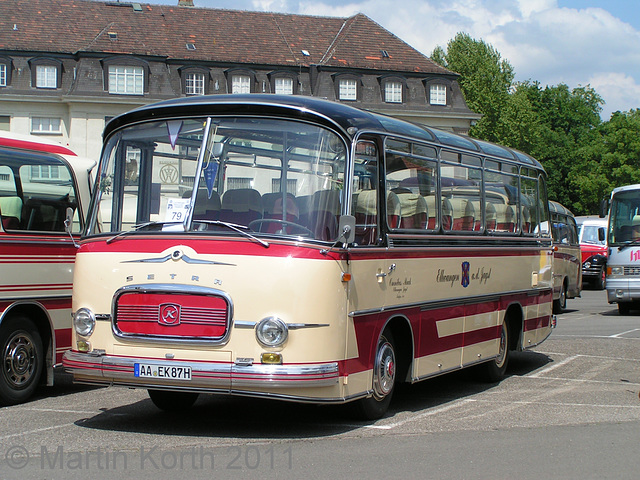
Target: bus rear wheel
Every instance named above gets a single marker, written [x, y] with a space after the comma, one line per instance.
[22, 360]
[494, 370]
[384, 379]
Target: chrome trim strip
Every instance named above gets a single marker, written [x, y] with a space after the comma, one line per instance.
[172, 288]
[430, 305]
[291, 326]
[205, 375]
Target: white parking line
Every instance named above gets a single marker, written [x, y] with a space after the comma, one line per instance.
[429, 413]
[38, 430]
[618, 335]
[553, 366]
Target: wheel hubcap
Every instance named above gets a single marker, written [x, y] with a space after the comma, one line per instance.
[19, 360]
[385, 370]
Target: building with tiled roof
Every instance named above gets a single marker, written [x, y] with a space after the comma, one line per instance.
[68, 66]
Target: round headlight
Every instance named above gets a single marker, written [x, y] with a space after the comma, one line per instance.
[271, 332]
[84, 321]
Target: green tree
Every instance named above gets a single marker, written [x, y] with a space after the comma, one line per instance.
[554, 124]
[485, 79]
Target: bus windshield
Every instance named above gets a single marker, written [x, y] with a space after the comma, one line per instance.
[222, 175]
[624, 223]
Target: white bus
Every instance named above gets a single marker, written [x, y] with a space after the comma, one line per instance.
[39, 181]
[623, 243]
[296, 248]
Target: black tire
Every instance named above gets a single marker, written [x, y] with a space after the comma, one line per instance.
[560, 304]
[601, 282]
[624, 308]
[495, 370]
[22, 360]
[172, 401]
[384, 379]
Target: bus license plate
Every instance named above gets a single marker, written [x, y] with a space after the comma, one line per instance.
[170, 372]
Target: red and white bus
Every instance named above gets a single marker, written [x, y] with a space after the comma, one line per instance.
[295, 248]
[39, 181]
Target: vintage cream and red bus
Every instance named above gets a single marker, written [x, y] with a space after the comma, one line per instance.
[296, 248]
[567, 265]
[39, 181]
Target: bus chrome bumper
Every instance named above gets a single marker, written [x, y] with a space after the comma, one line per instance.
[114, 370]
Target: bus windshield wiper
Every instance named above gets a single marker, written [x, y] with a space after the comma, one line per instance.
[140, 226]
[629, 244]
[236, 228]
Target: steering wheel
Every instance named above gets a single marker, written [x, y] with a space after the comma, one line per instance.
[284, 223]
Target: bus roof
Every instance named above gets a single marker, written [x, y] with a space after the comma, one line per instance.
[346, 118]
[30, 142]
[555, 207]
[625, 187]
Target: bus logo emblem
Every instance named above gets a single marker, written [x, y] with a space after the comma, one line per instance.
[169, 314]
[465, 274]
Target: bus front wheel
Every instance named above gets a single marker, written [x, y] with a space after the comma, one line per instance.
[384, 379]
[22, 360]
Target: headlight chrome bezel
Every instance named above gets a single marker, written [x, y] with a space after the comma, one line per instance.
[272, 332]
[84, 322]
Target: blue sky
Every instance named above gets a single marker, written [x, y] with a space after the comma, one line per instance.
[588, 42]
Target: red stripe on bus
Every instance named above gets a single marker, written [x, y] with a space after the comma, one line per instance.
[424, 324]
[40, 147]
[241, 246]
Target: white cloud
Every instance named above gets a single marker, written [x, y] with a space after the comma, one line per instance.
[543, 42]
[621, 92]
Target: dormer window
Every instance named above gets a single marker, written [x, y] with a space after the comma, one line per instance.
[195, 80]
[125, 76]
[393, 92]
[283, 83]
[241, 81]
[438, 94]
[348, 89]
[46, 72]
[240, 84]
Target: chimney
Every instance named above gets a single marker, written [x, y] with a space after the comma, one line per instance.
[185, 3]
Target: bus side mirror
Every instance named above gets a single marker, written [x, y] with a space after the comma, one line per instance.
[601, 234]
[68, 224]
[347, 228]
[604, 207]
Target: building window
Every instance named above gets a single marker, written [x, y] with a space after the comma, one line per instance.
[45, 172]
[3, 74]
[284, 85]
[348, 89]
[46, 76]
[234, 183]
[393, 92]
[126, 80]
[438, 95]
[240, 84]
[194, 84]
[45, 125]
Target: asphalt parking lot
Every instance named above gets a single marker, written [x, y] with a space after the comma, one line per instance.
[568, 409]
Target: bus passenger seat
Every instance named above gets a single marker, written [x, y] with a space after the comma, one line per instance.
[366, 213]
[414, 210]
[505, 218]
[463, 214]
[490, 216]
[11, 211]
[241, 206]
[206, 208]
